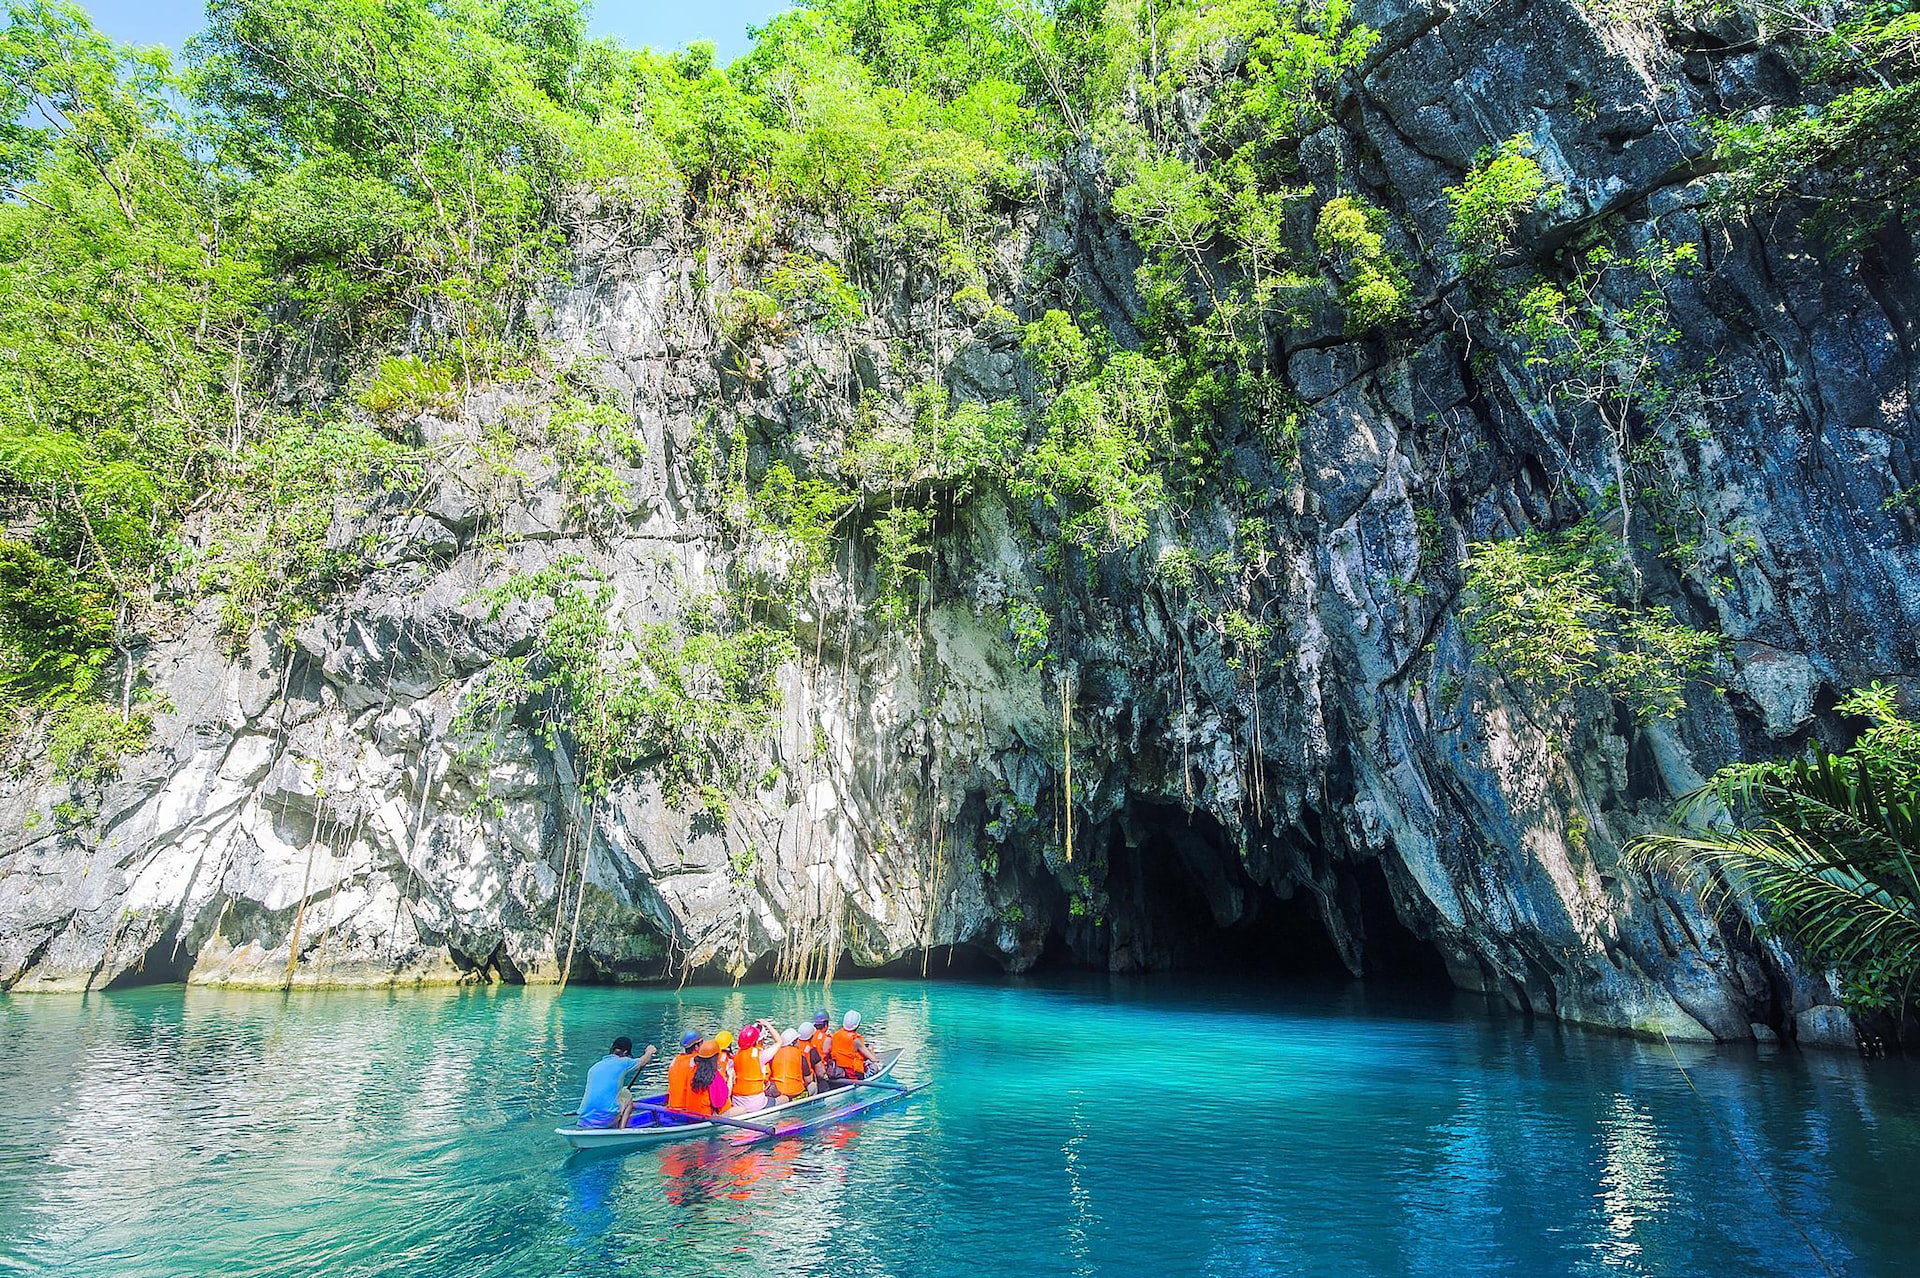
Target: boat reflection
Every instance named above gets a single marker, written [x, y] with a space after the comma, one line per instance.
[707, 1171]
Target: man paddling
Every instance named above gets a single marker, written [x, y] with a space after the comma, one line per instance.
[608, 1101]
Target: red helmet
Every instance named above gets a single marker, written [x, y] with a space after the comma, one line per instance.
[750, 1036]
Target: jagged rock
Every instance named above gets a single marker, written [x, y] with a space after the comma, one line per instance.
[316, 808]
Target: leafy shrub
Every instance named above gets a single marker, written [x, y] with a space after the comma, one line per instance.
[587, 438]
[697, 707]
[273, 555]
[56, 626]
[1850, 154]
[900, 543]
[814, 290]
[805, 512]
[1490, 201]
[749, 316]
[1179, 568]
[1092, 471]
[1031, 629]
[1349, 233]
[1540, 609]
[87, 739]
[1605, 355]
[1056, 347]
[686, 703]
[1248, 636]
[406, 386]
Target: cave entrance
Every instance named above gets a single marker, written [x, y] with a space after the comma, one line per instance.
[1177, 895]
[167, 961]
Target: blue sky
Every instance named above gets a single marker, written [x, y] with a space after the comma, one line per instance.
[663, 24]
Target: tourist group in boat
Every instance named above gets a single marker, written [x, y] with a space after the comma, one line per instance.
[731, 1073]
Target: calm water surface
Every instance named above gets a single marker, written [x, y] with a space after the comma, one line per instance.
[1078, 1127]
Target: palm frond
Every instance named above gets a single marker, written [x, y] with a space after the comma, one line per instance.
[1824, 899]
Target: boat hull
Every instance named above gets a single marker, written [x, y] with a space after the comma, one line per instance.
[657, 1130]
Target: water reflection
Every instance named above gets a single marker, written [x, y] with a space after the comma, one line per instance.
[1633, 1186]
[1076, 1127]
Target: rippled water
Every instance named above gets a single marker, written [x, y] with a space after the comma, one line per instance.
[1086, 1127]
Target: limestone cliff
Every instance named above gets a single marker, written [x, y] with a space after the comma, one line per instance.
[1361, 775]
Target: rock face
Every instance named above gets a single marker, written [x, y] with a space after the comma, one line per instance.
[1359, 793]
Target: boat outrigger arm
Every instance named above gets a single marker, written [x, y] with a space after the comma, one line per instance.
[813, 1123]
[655, 1124]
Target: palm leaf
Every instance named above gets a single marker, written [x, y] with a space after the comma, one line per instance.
[1826, 902]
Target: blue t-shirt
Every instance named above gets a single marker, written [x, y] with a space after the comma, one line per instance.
[600, 1105]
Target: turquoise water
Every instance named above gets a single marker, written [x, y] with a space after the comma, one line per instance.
[1080, 1127]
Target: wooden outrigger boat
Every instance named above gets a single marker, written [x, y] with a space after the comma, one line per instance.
[651, 1127]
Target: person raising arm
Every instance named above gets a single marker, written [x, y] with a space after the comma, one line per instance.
[790, 1075]
[749, 1073]
[607, 1101]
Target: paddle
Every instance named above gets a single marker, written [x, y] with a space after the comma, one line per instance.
[703, 1118]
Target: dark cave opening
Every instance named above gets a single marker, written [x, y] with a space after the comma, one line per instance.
[1175, 893]
[166, 962]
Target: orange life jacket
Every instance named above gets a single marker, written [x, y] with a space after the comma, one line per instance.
[680, 1083]
[820, 1043]
[847, 1048]
[790, 1071]
[749, 1073]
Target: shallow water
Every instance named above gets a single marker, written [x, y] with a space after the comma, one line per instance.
[1086, 1126]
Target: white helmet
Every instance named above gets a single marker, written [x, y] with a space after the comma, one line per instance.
[850, 1021]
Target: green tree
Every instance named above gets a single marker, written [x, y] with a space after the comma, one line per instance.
[1607, 355]
[129, 312]
[1490, 201]
[1374, 284]
[1542, 608]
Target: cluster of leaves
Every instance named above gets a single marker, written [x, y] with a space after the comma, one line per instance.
[403, 386]
[817, 291]
[885, 482]
[1030, 629]
[1850, 152]
[1248, 636]
[272, 556]
[1543, 609]
[899, 550]
[1505, 186]
[1373, 282]
[1601, 341]
[804, 513]
[1830, 843]
[588, 438]
[1093, 470]
[57, 630]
